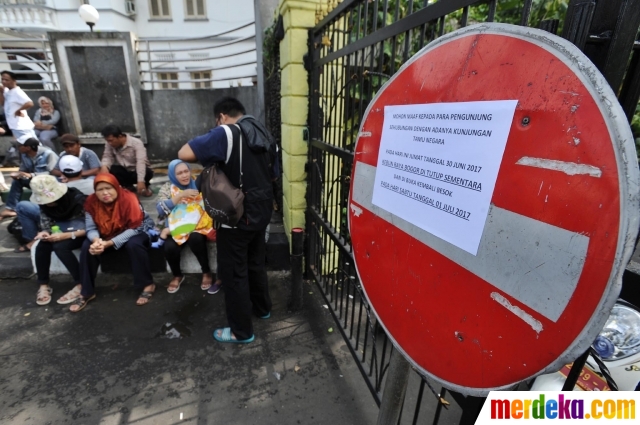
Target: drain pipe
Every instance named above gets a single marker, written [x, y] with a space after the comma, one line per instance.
[297, 241]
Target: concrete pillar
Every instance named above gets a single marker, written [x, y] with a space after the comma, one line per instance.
[298, 16]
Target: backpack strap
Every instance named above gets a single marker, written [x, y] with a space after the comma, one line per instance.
[241, 146]
[234, 139]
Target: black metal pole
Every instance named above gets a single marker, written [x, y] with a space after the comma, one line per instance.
[297, 242]
[576, 368]
[395, 389]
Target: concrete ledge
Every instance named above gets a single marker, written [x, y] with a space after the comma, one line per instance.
[120, 263]
[15, 266]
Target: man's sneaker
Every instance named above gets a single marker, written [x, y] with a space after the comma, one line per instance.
[215, 288]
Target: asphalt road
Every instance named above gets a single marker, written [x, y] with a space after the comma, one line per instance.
[117, 363]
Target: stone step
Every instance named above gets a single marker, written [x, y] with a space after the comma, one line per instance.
[120, 263]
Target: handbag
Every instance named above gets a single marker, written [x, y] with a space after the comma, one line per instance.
[222, 200]
[15, 228]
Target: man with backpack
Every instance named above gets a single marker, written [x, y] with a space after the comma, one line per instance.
[241, 147]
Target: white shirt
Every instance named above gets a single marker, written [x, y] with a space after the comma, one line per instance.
[13, 100]
[83, 185]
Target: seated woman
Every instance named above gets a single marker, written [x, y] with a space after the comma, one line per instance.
[62, 207]
[180, 202]
[45, 121]
[29, 212]
[114, 220]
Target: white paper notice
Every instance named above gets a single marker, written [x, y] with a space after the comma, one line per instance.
[438, 164]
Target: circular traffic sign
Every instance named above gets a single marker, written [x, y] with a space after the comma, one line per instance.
[534, 289]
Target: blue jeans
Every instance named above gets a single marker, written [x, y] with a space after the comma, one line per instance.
[15, 192]
[29, 217]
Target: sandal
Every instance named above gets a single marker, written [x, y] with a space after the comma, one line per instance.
[70, 296]
[8, 214]
[81, 302]
[43, 297]
[145, 295]
[173, 289]
[207, 281]
[227, 336]
[21, 249]
[147, 193]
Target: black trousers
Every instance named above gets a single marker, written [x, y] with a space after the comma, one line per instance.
[128, 178]
[197, 243]
[137, 249]
[63, 250]
[241, 267]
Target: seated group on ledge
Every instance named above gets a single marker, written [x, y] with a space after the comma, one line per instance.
[106, 218]
[80, 203]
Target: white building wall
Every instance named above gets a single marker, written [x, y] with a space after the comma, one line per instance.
[174, 44]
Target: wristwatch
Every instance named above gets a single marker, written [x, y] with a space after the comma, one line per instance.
[73, 234]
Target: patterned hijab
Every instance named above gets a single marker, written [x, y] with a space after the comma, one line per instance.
[122, 214]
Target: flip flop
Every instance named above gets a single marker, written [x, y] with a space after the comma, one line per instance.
[227, 337]
[175, 288]
[82, 303]
[3, 214]
[204, 286]
[266, 316]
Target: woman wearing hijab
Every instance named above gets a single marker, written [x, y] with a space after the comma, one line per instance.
[45, 121]
[62, 231]
[114, 220]
[180, 202]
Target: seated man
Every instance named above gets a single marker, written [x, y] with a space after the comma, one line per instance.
[36, 159]
[72, 169]
[126, 158]
[89, 160]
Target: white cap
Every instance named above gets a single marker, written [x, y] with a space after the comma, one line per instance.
[70, 164]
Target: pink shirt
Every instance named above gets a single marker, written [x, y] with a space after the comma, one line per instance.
[132, 156]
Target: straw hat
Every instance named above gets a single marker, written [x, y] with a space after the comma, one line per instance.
[46, 189]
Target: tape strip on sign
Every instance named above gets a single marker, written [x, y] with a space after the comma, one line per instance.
[544, 261]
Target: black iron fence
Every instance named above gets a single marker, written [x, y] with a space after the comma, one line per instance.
[352, 53]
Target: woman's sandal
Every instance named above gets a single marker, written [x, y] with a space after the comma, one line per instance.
[70, 296]
[227, 336]
[81, 302]
[44, 295]
[206, 285]
[145, 295]
[21, 249]
[175, 288]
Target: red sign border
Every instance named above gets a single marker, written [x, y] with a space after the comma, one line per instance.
[625, 153]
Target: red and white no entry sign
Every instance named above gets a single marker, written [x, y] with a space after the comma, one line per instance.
[561, 210]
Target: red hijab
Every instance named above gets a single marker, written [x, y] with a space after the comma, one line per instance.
[122, 214]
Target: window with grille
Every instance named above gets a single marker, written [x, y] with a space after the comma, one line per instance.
[160, 9]
[195, 9]
[164, 76]
[201, 75]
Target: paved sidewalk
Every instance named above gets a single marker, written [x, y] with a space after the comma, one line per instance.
[114, 363]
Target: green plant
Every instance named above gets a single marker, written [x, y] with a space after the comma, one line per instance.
[270, 49]
[635, 129]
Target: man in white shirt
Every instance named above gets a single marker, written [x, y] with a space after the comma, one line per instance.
[16, 103]
[71, 168]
